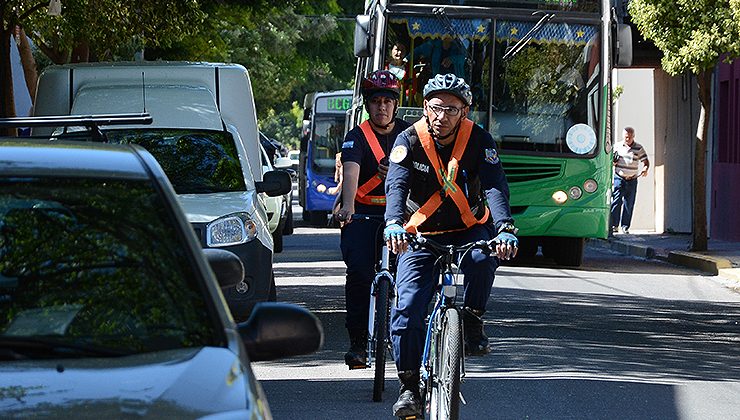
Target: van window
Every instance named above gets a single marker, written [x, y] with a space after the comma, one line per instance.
[196, 162]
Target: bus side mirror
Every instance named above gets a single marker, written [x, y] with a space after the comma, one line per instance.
[623, 45]
[363, 37]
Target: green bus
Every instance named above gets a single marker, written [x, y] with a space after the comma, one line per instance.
[540, 72]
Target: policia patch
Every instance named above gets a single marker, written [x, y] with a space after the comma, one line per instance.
[398, 154]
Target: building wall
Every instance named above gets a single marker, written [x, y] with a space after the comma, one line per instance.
[725, 169]
[659, 107]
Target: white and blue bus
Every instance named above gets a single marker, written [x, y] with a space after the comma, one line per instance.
[321, 142]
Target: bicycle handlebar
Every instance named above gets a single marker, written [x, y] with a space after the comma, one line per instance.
[423, 242]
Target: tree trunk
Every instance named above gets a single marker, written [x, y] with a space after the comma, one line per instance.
[29, 64]
[7, 103]
[699, 219]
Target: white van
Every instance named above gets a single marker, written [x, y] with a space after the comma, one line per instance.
[204, 135]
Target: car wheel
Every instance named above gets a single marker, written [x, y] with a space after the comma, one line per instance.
[272, 296]
[277, 240]
[288, 229]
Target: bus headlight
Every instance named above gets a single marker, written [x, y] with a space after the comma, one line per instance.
[575, 192]
[590, 186]
[233, 229]
[560, 197]
[321, 188]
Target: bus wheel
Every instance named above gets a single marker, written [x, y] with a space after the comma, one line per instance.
[565, 251]
[318, 218]
[306, 215]
[527, 247]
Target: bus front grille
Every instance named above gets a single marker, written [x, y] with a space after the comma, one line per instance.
[528, 171]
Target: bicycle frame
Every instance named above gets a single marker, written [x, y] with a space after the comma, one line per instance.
[383, 273]
[446, 296]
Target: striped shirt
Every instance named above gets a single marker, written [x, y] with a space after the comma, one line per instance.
[627, 159]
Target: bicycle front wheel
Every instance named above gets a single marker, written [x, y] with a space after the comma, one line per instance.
[445, 401]
[382, 312]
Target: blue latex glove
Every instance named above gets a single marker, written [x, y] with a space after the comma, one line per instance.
[394, 231]
[507, 238]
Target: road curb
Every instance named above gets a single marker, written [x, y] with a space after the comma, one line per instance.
[627, 248]
[705, 263]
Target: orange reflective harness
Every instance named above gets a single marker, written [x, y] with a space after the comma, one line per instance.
[446, 178]
[365, 189]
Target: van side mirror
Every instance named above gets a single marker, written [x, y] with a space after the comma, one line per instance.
[623, 47]
[363, 36]
[283, 163]
[274, 183]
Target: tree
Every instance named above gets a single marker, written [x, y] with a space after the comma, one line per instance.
[693, 35]
[91, 30]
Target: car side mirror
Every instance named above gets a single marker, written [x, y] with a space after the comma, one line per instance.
[278, 330]
[283, 163]
[275, 183]
[226, 265]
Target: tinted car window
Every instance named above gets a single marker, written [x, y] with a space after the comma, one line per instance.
[94, 266]
[196, 162]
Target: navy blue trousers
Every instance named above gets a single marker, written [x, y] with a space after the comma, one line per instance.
[415, 283]
[361, 242]
[623, 201]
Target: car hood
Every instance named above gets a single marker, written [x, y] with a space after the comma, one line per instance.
[204, 208]
[187, 383]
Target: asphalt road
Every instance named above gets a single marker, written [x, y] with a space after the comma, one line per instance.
[618, 338]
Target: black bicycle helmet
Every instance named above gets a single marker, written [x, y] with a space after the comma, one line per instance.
[449, 83]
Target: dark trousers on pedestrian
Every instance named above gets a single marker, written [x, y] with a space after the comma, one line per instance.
[361, 241]
[415, 285]
[623, 201]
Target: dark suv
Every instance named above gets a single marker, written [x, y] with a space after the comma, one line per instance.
[108, 304]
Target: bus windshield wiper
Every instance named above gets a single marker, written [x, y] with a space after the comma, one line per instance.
[528, 36]
[441, 15]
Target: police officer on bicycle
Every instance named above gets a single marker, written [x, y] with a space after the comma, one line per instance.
[364, 164]
[445, 179]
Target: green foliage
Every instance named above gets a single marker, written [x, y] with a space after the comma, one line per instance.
[692, 34]
[290, 49]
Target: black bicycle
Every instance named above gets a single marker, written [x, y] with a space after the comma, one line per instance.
[382, 294]
[443, 361]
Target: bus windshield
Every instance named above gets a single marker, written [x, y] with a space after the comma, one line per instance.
[326, 143]
[540, 83]
[546, 88]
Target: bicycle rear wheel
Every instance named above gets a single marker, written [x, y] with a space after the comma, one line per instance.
[445, 401]
[382, 309]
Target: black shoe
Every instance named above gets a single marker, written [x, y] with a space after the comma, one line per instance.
[476, 341]
[409, 398]
[356, 356]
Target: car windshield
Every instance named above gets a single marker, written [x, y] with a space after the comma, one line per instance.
[90, 266]
[196, 162]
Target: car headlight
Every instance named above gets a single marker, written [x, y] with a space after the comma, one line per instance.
[233, 229]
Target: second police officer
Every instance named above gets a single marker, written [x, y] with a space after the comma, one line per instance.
[445, 179]
[365, 165]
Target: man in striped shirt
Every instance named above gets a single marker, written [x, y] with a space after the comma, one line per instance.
[627, 157]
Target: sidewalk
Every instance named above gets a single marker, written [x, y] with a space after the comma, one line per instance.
[722, 258]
